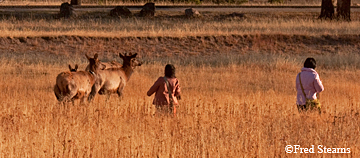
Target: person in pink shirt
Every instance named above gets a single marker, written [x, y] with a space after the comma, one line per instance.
[163, 101]
[310, 86]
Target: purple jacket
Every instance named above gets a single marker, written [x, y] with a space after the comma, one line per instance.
[312, 84]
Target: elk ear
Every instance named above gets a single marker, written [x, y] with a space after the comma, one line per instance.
[134, 55]
[87, 57]
[121, 56]
[76, 66]
[96, 56]
[103, 67]
[70, 67]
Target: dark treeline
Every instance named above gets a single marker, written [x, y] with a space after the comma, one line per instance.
[103, 2]
[168, 1]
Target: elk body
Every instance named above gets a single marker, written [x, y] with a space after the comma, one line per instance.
[113, 80]
[76, 85]
[107, 65]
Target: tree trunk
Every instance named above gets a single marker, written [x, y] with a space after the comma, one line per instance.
[75, 2]
[343, 9]
[327, 9]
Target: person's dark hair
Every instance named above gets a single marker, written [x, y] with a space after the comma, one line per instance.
[170, 71]
[310, 63]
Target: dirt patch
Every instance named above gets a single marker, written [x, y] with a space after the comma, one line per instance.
[183, 46]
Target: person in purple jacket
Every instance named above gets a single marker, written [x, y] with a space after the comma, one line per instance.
[308, 87]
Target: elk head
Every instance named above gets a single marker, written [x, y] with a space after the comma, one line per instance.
[130, 60]
[95, 63]
[73, 70]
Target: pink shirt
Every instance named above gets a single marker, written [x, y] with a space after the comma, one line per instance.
[161, 91]
[312, 84]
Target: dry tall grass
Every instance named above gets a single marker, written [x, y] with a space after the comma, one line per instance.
[238, 106]
[173, 24]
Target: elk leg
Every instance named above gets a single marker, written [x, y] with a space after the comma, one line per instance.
[57, 92]
[121, 88]
[94, 90]
[119, 91]
[72, 98]
[107, 96]
[70, 93]
[82, 100]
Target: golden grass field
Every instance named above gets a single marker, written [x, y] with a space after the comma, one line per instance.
[238, 99]
[236, 110]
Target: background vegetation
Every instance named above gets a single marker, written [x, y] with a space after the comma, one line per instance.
[237, 77]
[173, 24]
[171, 2]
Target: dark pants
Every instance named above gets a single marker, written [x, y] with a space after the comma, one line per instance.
[166, 109]
[302, 108]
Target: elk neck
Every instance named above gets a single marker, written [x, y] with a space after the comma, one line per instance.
[128, 70]
[92, 71]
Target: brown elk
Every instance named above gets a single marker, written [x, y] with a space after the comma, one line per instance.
[113, 80]
[73, 69]
[76, 85]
